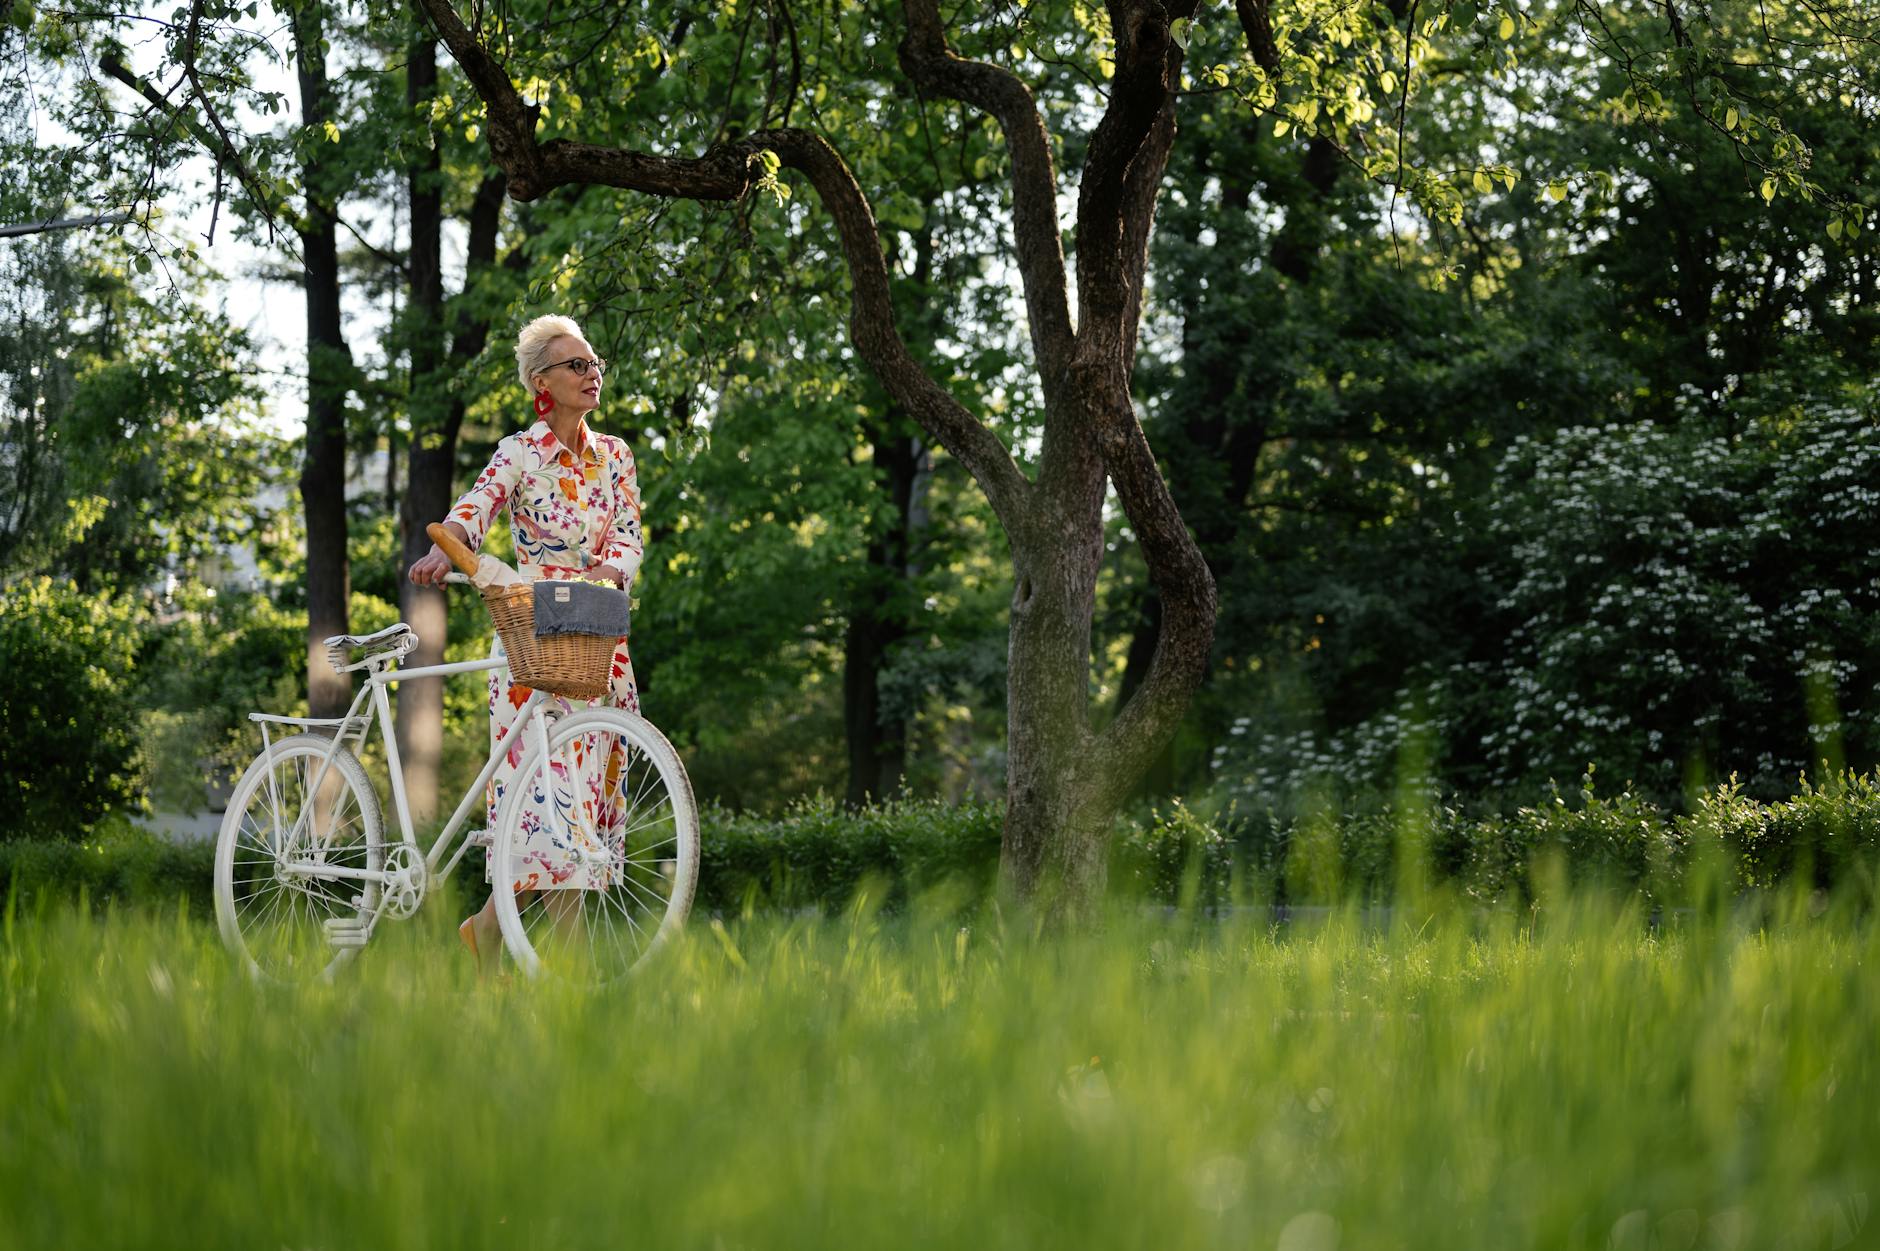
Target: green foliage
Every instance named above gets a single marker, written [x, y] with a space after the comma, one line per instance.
[817, 854]
[1676, 603]
[211, 660]
[1827, 834]
[122, 396]
[118, 864]
[68, 744]
[1381, 851]
[1620, 840]
[1687, 602]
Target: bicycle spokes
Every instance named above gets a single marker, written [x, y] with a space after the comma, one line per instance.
[295, 817]
[596, 852]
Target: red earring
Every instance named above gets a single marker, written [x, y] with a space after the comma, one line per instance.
[543, 403]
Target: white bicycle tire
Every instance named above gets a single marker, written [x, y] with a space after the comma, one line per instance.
[231, 912]
[677, 787]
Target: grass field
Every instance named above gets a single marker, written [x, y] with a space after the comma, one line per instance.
[1580, 1080]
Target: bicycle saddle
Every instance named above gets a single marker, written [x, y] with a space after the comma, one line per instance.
[390, 643]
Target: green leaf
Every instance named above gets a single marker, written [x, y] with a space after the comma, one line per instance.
[1834, 229]
[1178, 31]
[1768, 188]
[1280, 128]
[1507, 27]
[1482, 184]
[1556, 190]
[1729, 120]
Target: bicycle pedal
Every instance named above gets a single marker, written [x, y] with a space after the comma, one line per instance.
[347, 931]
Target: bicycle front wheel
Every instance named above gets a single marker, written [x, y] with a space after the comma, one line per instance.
[596, 850]
[281, 908]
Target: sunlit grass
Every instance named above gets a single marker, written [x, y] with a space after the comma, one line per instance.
[1575, 1079]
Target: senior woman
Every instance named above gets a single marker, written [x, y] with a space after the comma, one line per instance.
[573, 497]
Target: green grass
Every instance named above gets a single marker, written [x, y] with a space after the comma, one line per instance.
[1576, 1080]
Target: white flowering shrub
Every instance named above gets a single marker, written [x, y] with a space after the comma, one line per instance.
[1672, 604]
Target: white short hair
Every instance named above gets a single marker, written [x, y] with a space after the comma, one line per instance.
[532, 345]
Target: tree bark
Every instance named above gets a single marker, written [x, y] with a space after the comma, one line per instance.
[329, 377]
[878, 620]
[434, 416]
[430, 485]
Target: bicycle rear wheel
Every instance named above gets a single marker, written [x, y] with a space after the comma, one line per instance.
[596, 850]
[272, 914]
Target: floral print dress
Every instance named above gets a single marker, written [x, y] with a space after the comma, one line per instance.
[570, 512]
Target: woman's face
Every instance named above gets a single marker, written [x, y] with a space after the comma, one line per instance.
[580, 393]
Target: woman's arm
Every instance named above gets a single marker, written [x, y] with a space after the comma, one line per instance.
[473, 513]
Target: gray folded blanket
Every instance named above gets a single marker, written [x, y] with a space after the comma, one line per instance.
[580, 608]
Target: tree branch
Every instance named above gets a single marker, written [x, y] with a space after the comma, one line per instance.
[1141, 190]
[1255, 21]
[729, 172]
[935, 70]
[220, 146]
[1189, 603]
[1148, 66]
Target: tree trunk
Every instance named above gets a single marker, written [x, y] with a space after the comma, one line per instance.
[1057, 805]
[879, 612]
[434, 417]
[878, 619]
[329, 376]
[437, 414]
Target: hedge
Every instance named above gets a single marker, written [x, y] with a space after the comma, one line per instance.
[1828, 835]
[818, 855]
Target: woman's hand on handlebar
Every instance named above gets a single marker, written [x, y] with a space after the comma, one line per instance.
[429, 570]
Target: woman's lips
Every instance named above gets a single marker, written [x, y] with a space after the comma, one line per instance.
[594, 391]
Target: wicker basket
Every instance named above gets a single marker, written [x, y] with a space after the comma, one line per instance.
[578, 666]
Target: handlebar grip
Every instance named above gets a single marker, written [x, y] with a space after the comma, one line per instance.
[447, 543]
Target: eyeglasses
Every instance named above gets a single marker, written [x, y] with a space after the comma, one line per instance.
[580, 365]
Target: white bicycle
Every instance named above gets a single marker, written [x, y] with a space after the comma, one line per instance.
[304, 872]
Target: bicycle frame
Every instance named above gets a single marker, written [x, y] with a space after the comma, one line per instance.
[378, 678]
